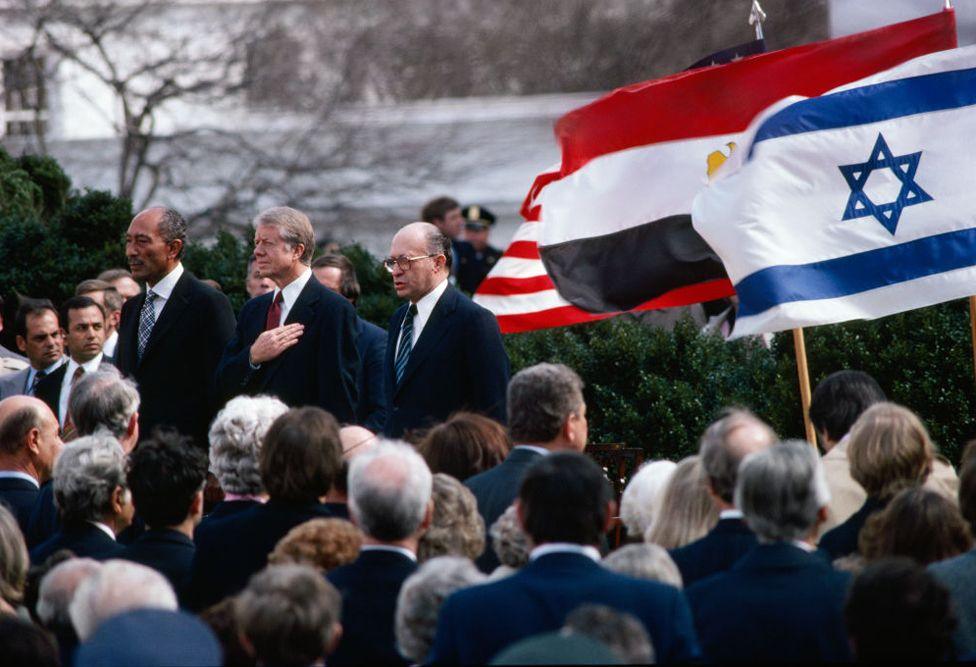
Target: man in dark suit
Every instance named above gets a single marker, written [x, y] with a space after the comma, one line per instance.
[29, 444]
[299, 342]
[546, 413]
[338, 274]
[444, 352]
[390, 499]
[564, 506]
[172, 335]
[166, 475]
[724, 444]
[39, 336]
[781, 602]
[474, 266]
[84, 333]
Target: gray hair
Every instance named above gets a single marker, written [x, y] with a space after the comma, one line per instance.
[293, 226]
[439, 243]
[780, 491]
[723, 447]
[14, 560]
[58, 588]
[389, 489]
[103, 399]
[116, 587]
[235, 441]
[642, 496]
[172, 227]
[289, 614]
[456, 527]
[619, 631]
[540, 399]
[644, 561]
[86, 475]
[420, 600]
[509, 541]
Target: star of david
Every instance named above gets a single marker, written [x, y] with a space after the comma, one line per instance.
[859, 205]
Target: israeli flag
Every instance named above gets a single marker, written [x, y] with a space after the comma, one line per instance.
[856, 204]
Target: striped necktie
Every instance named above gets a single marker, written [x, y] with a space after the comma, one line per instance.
[147, 318]
[406, 343]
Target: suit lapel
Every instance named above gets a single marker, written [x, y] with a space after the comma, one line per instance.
[396, 322]
[177, 302]
[129, 335]
[434, 330]
[49, 389]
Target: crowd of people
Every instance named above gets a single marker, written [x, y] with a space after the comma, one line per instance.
[180, 486]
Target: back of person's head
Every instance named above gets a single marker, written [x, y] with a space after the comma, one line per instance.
[301, 455]
[540, 400]
[103, 400]
[919, 524]
[727, 441]
[686, 511]
[321, 543]
[87, 477]
[641, 499]
[18, 423]
[508, 540]
[23, 643]
[390, 490]
[889, 450]
[839, 400]
[644, 561]
[57, 590]
[235, 441]
[221, 618]
[289, 615]
[166, 476]
[465, 445]
[116, 587]
[781, 491]
[420, 600]
[564, 497]
[13, 559]
[456, 528]
[621, 632]
[898, 612]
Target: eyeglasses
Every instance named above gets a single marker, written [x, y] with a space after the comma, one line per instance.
[404, 262]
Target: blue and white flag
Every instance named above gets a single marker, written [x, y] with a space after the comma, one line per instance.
[856, 204]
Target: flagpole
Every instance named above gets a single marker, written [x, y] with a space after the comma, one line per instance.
[803, 374]
[756, 18]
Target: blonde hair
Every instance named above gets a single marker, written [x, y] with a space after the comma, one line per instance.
[321, 543]
[889, 450]
[686, 511]
[13, 559]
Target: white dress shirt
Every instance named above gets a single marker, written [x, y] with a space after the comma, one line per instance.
[102, 527]
[385, 547]
[90, 366]
[16, 474]
[424, 309]
[730, 514]
[164, 289]
[289, 295]
[108, 349]
[534, 448]
[565, 548]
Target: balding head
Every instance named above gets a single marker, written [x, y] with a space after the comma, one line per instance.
[725, 444]
[389, 491]
[58, 588]
[356, 440]
[29, 436]
[431, 265]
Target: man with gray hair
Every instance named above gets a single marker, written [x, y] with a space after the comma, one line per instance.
[782, 601]
[55, 594]
[546, 413]
[444, 352]
[297, 343]
[172, 335]
[725, 443]
[106, 401]
[390, 490]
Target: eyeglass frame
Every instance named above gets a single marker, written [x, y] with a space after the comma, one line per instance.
[391, 262]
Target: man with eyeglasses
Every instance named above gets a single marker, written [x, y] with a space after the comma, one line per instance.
[444, 352]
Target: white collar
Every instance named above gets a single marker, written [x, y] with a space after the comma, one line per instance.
[17, 474]
[389, 547]
[427, 302]
[164, 288]
[53, 367]
[290, 292]
[533, 448]
[565, 548]
[806, 546]
[102, 527]
[90, 366]
[730, 514]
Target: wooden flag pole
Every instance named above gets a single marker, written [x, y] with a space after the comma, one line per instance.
[972, 327]
[803, 374]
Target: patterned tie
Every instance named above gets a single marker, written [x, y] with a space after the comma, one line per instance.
[406, 343]
[274, 313]
[38, 376]
[147, 318]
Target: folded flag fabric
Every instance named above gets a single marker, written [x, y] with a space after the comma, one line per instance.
[856, 204]
[609, 230]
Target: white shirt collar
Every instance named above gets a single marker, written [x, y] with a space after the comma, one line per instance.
[17, 474]
[533, 448]
[102, 527]
[289, 294]
[806, 546]
[730, 514]
[565, 548]
[32, 372]
[90, 366]
[164, 288]
[387, 547]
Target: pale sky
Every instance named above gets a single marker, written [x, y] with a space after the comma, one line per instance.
[848, 16]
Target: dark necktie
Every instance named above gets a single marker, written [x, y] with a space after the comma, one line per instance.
[274, 313]
[38, 376]
[406, 343]
[147, 319]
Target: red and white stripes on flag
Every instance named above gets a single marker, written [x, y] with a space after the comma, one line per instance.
[609, 230]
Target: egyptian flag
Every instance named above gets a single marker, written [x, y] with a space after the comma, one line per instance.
[609, 230]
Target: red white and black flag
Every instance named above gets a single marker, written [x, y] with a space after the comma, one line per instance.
[609, 230]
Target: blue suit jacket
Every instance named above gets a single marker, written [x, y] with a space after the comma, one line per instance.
[371, 344]
[19, 495]
[841, 540]
[476, 623]
[369, 587]
[86, 540]
[458, 363]
[233, 549]
[320, 370]
[718, 551]
[777, 604]
[495, 490]
[169, 552]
